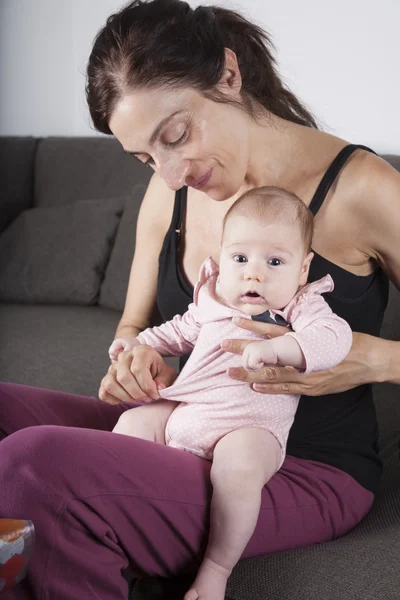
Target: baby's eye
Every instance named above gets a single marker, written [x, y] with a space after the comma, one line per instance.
[275, 262]
[240, 258]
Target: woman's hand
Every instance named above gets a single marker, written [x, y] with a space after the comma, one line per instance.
[367, 362]
[136, 376]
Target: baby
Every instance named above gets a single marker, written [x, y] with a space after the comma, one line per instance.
[263, 269]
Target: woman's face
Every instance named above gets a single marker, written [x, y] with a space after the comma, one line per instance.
[186, 138]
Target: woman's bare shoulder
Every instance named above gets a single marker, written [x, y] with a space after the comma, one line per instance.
[373, 196]
[368, 175]
[158, 204]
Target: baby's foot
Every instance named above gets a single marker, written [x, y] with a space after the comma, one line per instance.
[210, 582]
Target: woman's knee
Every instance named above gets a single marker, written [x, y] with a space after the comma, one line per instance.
[32, 442]
[32, 469]
[39, 453]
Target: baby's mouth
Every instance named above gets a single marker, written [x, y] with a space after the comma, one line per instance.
[252, 297]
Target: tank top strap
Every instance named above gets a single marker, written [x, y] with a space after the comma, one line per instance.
[179, 209]
[331, 174]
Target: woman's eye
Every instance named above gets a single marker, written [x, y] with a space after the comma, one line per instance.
[179, 140]
[240, 258]
[275, 262]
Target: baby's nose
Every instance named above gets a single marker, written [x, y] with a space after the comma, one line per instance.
[255, 272]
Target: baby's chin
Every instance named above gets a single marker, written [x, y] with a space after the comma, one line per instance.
[251, 309]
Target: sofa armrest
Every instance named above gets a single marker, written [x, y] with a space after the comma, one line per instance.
[17, 156]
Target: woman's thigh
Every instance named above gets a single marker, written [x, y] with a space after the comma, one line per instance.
[23, 406]
[98, 498]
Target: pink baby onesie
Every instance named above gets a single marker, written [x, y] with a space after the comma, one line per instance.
[212, 404]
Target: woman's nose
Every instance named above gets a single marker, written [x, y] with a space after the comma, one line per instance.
[174, 172]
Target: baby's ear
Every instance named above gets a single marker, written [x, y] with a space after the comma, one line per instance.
[306, 268]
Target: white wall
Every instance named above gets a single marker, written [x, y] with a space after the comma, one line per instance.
[341, 57]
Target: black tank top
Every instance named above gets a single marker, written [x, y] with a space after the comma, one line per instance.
[337, 429]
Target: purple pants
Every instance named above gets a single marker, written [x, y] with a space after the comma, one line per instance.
[102, 502]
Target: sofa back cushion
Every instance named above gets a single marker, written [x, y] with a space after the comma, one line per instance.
[72, 169]
[16, 177]
[115, 283]
[393, 159]
[58, 254]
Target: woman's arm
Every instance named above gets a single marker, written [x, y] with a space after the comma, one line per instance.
[127, 379]
[378, 207]
[152, 225]
[366, 362]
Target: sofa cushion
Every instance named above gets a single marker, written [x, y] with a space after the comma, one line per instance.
[115, 283]
[56, 347]
[58, 254]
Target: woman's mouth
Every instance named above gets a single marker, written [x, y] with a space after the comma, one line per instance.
[202, 182]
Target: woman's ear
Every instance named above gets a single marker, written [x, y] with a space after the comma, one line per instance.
[231, 80]
[305, 268]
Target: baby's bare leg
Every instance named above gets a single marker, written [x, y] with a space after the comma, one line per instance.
[147, 422]
[244, 460]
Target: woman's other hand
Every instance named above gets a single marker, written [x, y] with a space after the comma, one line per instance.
[367, 362]
[136, 376]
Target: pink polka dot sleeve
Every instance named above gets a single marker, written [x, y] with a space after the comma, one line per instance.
[175, 337]
[324, 337]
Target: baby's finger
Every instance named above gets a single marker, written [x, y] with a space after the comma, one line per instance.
[254, 364]
[115, 349]
[249, 358]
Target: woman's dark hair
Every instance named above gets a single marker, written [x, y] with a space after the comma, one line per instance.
[153, 43]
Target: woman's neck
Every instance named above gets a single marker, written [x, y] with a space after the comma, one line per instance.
[285, 154]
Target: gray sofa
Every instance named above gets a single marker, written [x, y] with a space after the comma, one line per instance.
[68, 208]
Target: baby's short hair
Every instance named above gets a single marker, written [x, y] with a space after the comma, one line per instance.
[273, 204]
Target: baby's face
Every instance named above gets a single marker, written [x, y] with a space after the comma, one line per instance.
[261, 265]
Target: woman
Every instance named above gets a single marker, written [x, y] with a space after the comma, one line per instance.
[195, 95]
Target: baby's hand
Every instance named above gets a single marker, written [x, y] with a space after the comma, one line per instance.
[121, 345]
[258, 354]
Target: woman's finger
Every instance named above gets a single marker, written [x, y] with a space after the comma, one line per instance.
[110, 391]
[281, 380]
[235, 346]
[280, 388]
[144, 369]
[127, 373]
[265, 329]
[109, 398]
[281, 375]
